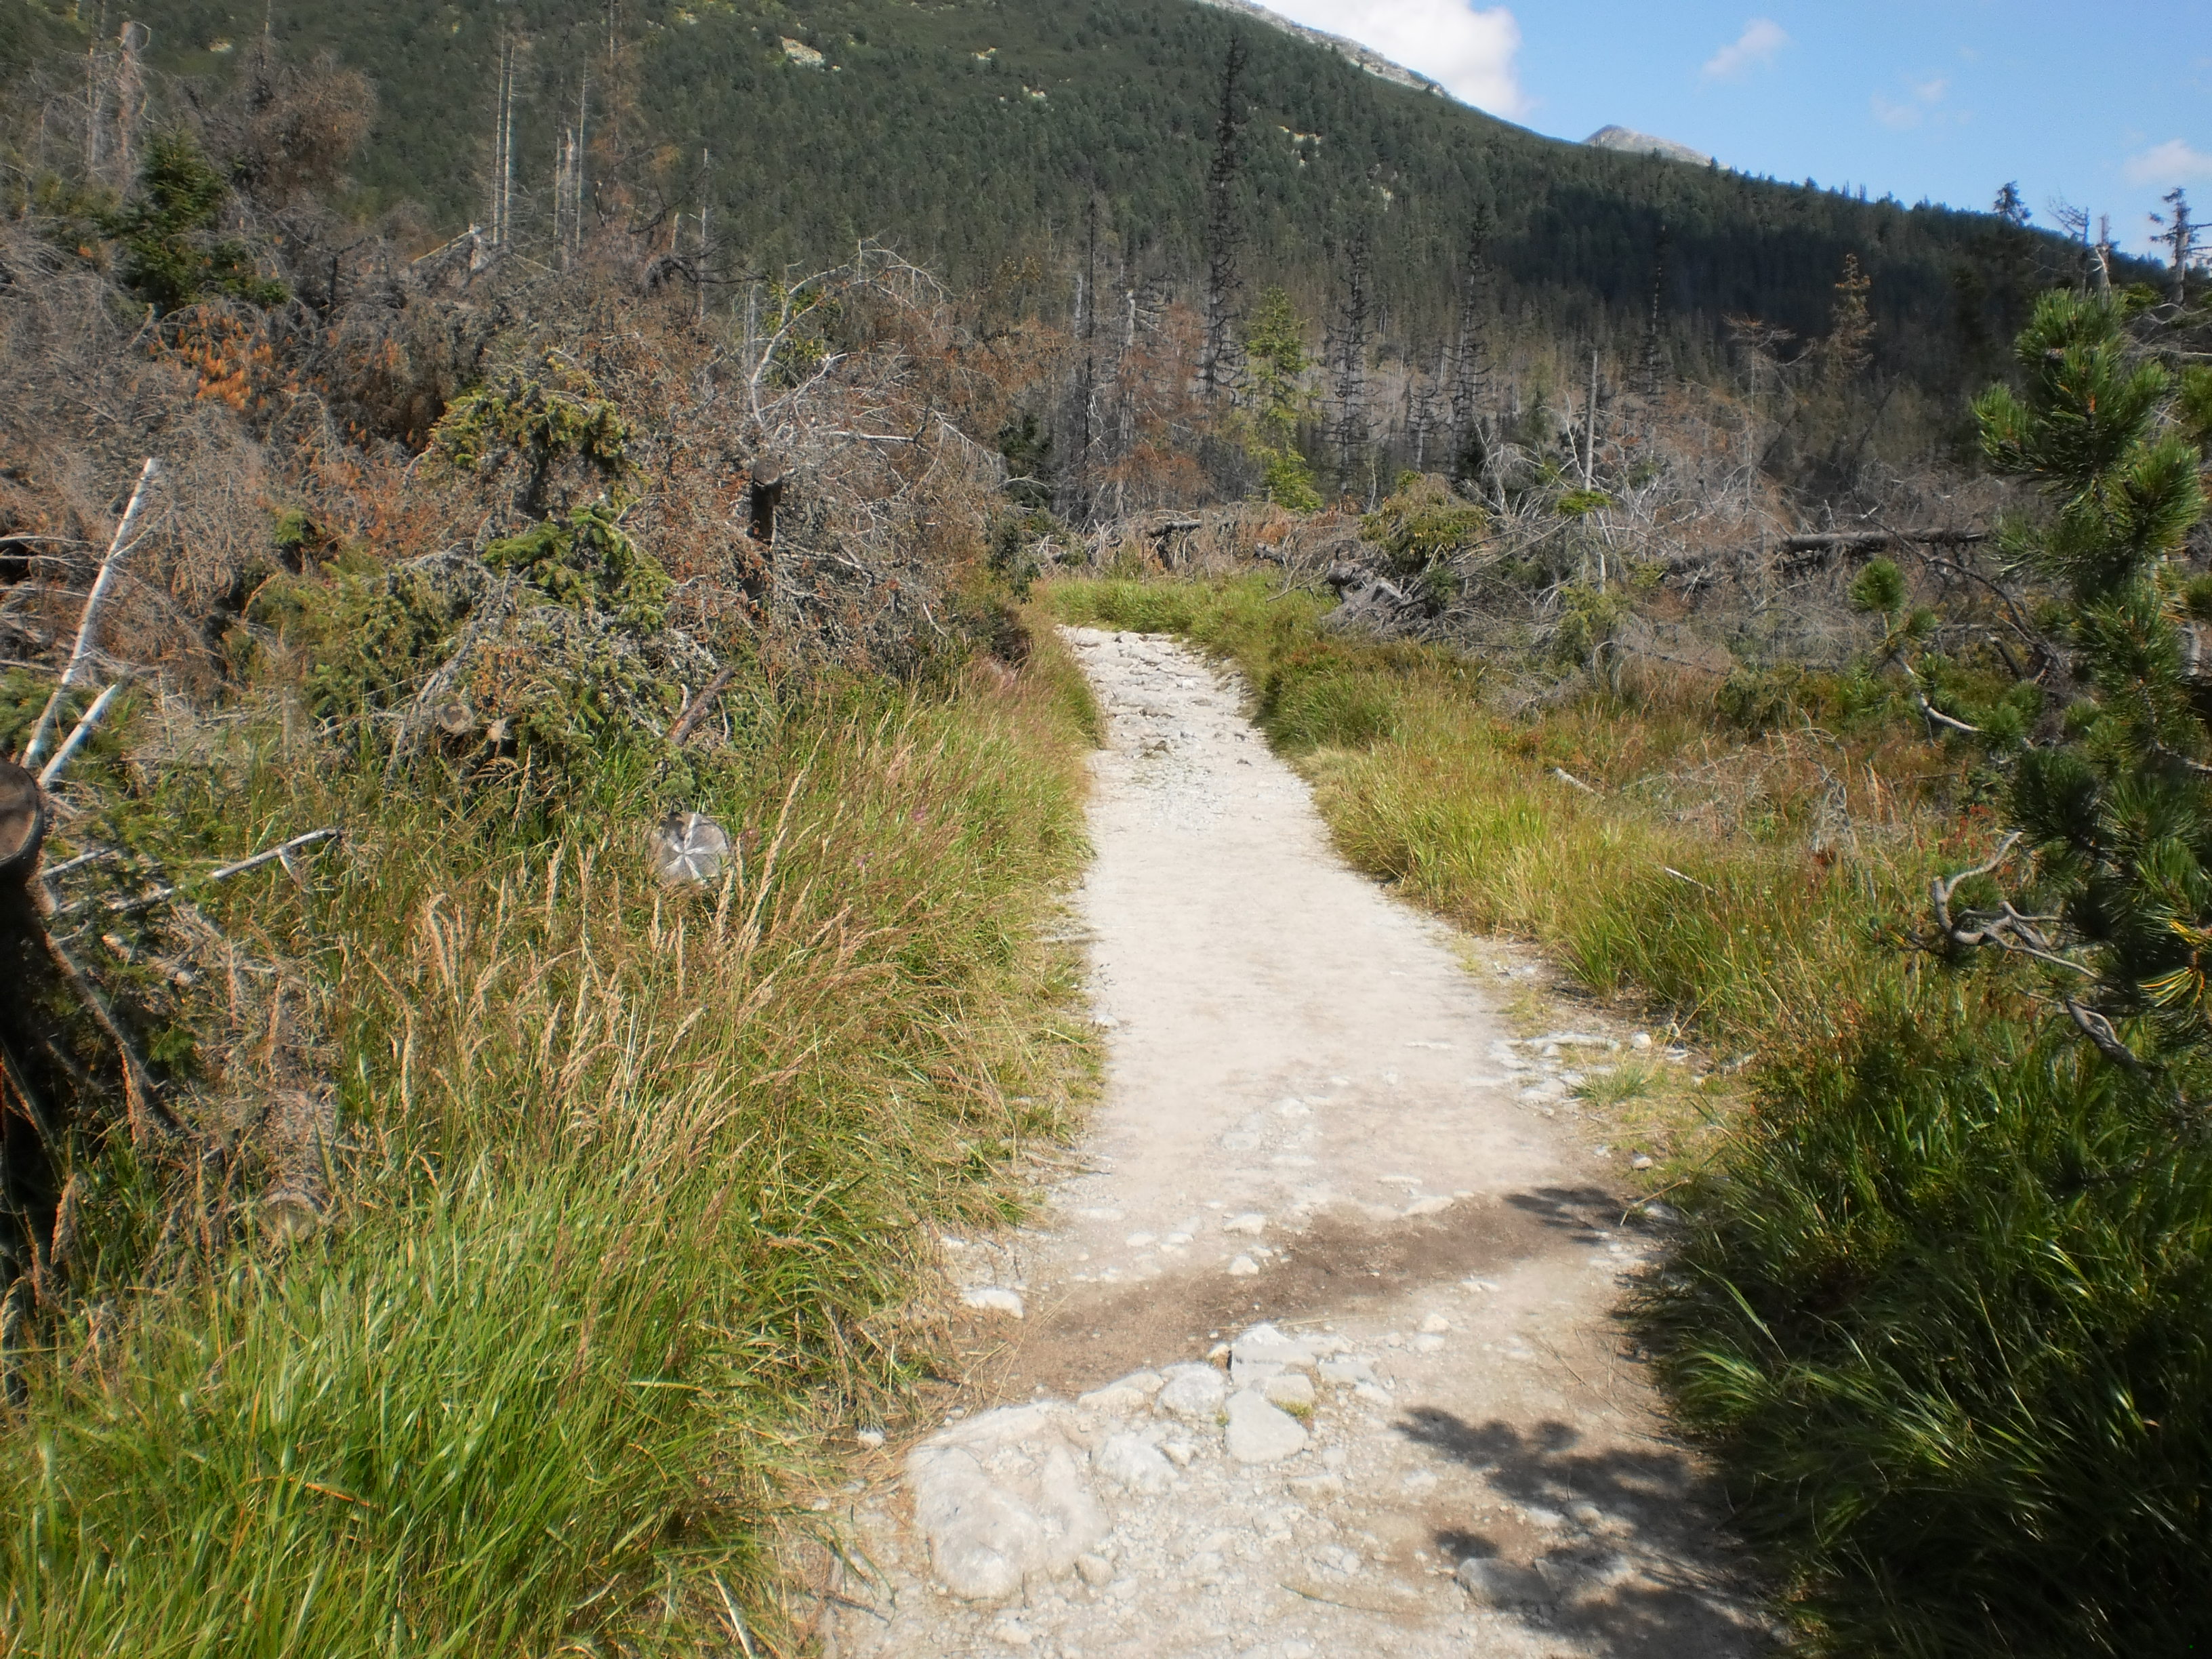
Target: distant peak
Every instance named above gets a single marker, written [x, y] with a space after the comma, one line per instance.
[1373, 62]
[1632, 142]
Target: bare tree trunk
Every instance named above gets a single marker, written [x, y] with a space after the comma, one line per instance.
[1651, 321]
[1589, 435]
[130, 99]
[2181, 236]
[706, 174]
[1470, 367]
[1349, 359]
[1215, 365]
[502, 149]
[1086, 391]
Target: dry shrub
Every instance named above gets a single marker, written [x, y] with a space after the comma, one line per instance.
[90, 401]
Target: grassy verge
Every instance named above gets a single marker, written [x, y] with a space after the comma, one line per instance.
[635, 1184]
[1938, 1304]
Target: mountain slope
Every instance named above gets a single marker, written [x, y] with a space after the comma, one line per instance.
[976, 134]
[1350, 51]
[1629, 141]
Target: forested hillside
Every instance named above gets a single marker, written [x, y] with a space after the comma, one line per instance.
[976, 136]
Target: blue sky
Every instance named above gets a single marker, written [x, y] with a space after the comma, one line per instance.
[2109, 107]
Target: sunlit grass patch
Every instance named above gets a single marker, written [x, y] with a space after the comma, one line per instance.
[636, 1193]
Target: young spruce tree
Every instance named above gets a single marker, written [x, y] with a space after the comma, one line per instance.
[1276, 365]
[2119, 815]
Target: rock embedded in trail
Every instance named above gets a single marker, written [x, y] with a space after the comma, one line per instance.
[1264, 1345]
[1259, 1432]
[1131, 1394]
[1194, 1392]
[1135, 1465]
[1493, 1583]
[1345, 1372]
[1003, 1501]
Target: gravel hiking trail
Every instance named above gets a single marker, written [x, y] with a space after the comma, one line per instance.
[1314, 1348]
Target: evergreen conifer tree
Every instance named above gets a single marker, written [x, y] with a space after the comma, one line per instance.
[2118, 815]
[1276, 365]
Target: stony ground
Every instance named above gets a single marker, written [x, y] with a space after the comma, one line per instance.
[1315, 1352]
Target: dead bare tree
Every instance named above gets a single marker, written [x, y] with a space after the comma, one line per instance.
[1216, 361]
[1347, 358]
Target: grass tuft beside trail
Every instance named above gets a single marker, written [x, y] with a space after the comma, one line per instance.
[1938, 1305]
[636, 1190]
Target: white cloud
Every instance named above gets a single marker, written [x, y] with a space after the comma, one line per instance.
[1903, 118]
[1450, 41]
[2174, 162]
[1759, 44]
[1898, 117]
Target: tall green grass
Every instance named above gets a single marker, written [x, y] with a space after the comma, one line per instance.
[635, 1194]
[1939, 1304]
[1943, 1318]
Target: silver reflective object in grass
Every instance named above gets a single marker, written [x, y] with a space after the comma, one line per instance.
[690, 846]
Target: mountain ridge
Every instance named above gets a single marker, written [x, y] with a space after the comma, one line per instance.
[1629, 141]
[1365, 58]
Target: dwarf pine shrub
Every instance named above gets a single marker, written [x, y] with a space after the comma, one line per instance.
[1942, 1312]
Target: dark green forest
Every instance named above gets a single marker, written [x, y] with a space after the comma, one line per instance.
[988, 141]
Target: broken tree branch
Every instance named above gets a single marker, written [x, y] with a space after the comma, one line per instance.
[52, 769]
[1875, 541]
[2107, 1041]
[121, 544]
[699, 704]
[281, 853]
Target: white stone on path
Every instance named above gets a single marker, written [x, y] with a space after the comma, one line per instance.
[1002, 1499]
[1252, 1222]
[1192, 1393]
[1264, 1345]
[1244, 1267]
[1258, 1433]
[1292, 1390]
[1428, 1206]
[1119, 1399]
[991, 1298]
[1134, 1465]
[1435, 1324]
[1491, 1582]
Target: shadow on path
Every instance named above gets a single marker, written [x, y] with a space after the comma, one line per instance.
[1588, 1214]
[1595, 1541]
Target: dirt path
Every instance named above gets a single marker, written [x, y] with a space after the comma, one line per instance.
[1319, 1355]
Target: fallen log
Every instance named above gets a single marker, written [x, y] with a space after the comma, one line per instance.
[1874, 541]
[1794, 553]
